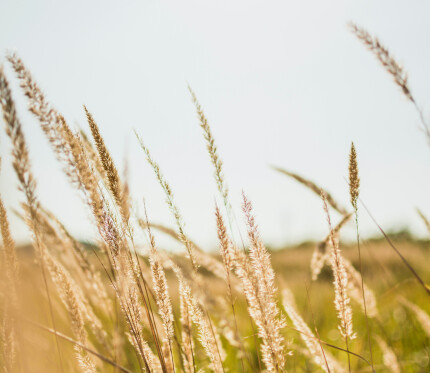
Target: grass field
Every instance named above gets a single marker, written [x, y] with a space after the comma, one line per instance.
[383, 271]
[115, 305]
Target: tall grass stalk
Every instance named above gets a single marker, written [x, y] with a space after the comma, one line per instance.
[21, 165]
[354, 190]
[342, 302]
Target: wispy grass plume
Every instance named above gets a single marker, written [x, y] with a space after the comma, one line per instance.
[394, 68]
[27, 183]
[258, 280]
[314, 188]
[171, 203]
[111, 172]
[342, 301]
[354, 190]
[212, 149]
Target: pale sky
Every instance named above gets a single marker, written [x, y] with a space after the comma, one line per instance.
[282, 83]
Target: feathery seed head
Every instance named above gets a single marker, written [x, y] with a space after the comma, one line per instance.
[354, 180]
[224, 242]
[385, 58]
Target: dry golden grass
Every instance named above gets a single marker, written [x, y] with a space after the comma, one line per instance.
[116, 307]
[384, 274]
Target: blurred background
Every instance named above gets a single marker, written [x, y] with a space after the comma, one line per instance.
[282, 83]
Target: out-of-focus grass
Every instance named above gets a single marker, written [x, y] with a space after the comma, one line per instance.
[387, 276]
[383, 272]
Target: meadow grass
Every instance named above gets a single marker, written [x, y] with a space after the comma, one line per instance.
[115, 306]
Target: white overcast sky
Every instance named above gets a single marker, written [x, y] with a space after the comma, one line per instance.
[282, 83]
